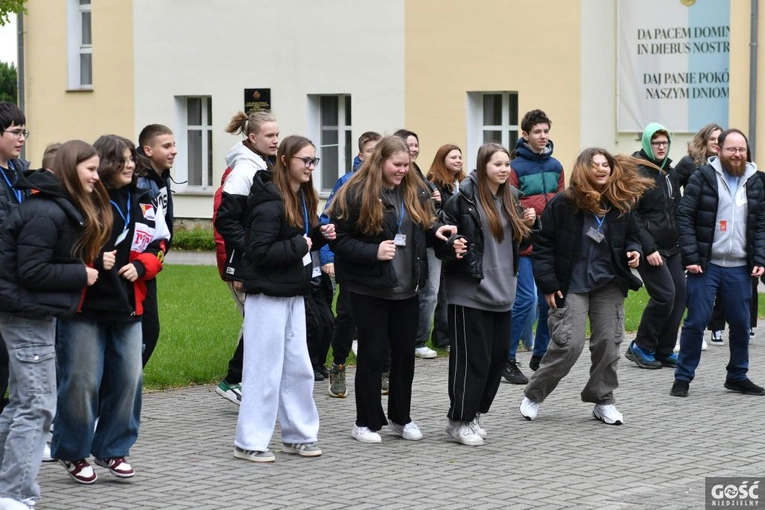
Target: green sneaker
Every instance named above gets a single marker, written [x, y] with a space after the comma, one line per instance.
[337, 387]
[385, 383]
[231, 392]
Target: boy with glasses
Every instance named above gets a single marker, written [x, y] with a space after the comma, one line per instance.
[13, 135]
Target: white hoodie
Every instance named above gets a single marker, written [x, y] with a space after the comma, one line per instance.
[243, 163]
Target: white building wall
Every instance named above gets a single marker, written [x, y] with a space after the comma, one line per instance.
[293, 47]
[598, 91]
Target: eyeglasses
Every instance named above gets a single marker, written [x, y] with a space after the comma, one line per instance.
[309, 161]
[660, 144]
[129, 160]
[18, 133]
[735, 150]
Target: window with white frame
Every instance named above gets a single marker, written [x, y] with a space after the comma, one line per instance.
[80, 45]
[194, 133]
[492, 117]
[330, 121]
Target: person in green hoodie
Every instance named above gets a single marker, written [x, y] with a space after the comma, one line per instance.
[662, 271]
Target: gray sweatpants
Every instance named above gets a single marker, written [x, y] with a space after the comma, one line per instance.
[277, 380]
[605, 308]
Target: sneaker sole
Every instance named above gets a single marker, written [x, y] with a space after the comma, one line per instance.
[743, 392]
[634, 359]
[336, 395]
[228, 397]
[302, 453]
[462, 441]
[601, 418]
[367, 441]
[243, 456]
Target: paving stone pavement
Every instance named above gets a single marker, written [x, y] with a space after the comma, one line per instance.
[565, 458]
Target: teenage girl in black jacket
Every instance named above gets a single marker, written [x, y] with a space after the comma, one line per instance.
[47, 246]
[383, 217]
[480, 288]
[277, 379]
[583, 256]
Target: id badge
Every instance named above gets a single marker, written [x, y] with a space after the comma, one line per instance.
[316, 261]
[400, 240]
[307, 259]
[595, 235]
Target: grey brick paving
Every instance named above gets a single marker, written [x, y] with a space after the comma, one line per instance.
[564, 459]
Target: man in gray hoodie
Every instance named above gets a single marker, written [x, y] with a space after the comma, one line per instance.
[721, 233]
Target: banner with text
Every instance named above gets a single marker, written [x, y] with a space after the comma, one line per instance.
[673, 64]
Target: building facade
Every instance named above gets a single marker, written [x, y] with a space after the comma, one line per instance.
[452, 71]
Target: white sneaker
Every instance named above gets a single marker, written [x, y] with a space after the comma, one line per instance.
[355, 347]
[425, 352]
[463, 433]
[409, 431]
[46, 454]
[529, 409]
[716, 338]
[477, 425]
[703, 345]
[365, 435]
[12, 504]
[607, 414]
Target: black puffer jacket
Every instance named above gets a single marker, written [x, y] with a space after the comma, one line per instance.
[461, 210]
[273, 258]
[559, 245]
[656, 208]
[697, 218]
[8, 199]
[356, 253]
[38, 274]
[683, 170]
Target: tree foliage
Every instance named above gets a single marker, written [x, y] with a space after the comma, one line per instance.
[8, 7]
[8, 83]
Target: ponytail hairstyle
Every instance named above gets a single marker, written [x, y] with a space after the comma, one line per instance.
[95, 206]
[510, 205]
[293, 206]
[360, 196]
[622, 190]
[441, 176]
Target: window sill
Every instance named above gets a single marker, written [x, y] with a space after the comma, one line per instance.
[81, 89]
[196, 192]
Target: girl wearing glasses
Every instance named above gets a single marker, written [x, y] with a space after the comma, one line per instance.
[48, 245]
[383, 217]
[282, 230]
[99, 349]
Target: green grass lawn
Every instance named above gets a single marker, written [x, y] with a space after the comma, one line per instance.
[200, 326]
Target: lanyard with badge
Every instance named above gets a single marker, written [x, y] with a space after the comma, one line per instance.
[400, 239]
[312, 257]
[125, 217]
[597, 235]
[17, 193]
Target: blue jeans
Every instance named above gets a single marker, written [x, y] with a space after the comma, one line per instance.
[26, 419]
[735, 287]
[100, 376]
[524, 305]
[542, 337]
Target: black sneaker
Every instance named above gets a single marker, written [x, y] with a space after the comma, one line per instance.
[680, 388]
[534, 363]
[317, 375]
[324, 371]
[745, 386]
[513, 374]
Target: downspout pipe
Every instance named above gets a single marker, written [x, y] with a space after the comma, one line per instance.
[753, 79]
[20, 66]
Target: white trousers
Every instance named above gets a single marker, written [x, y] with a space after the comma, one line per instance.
[277, 377]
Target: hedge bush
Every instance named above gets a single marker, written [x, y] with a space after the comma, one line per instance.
[194, 239]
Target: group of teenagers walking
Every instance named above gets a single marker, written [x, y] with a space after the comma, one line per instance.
[81, 241]
[389, 231]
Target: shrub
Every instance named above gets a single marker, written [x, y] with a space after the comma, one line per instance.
[194, 239]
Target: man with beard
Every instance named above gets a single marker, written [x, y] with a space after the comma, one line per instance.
[721, 229]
